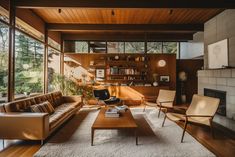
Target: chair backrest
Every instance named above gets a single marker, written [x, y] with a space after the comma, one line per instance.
[102, 94]
[166, 95]
[203, 105]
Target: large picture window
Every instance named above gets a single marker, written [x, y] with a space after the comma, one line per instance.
[4, 41]
[134, 47]
[170, 47]
[53, 67]
[115, 47]
[28, 65]
[154, 47]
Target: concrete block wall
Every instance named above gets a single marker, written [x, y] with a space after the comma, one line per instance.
[218, 28]
[223, 80]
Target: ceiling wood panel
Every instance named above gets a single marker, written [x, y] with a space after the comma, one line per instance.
[127, 16]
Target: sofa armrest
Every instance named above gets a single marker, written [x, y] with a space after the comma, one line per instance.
[24, 126]
[75, 98]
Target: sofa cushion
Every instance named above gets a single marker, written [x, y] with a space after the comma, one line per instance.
[20, 105]
[57, 97]
[60, 114]
[43, 98]
[44, 107]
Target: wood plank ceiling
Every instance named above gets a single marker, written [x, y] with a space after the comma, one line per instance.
[98, 16]
[127, 16]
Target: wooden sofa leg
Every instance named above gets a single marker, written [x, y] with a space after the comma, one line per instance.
[185, 126]
[164, 121]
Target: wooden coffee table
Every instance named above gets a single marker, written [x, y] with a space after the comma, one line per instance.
[125, 121]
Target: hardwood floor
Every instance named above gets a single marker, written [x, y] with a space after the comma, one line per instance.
[223, 145]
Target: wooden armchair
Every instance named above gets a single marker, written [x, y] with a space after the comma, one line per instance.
[164, 100]
[201, 110]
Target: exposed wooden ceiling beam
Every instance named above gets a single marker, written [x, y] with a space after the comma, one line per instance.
[126, 3]
[126, 27]
[128, 37]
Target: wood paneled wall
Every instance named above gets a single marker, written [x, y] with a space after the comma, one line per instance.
[191, 67]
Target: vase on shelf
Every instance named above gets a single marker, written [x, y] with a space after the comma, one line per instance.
[155, 83]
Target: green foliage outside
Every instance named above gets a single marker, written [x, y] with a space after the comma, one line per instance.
[28, 65]
[68, 87]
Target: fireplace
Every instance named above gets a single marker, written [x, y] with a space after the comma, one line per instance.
[218, 94]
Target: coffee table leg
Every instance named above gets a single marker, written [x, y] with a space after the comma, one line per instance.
[92, 136]
[136, 136]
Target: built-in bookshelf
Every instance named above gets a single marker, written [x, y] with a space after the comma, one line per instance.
[126, 69]
[123, 68]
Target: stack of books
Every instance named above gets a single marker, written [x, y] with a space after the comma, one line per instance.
[112, 113]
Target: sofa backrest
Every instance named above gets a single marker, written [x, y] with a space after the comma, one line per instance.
[19, 105]
[45, 97]
[55, 98]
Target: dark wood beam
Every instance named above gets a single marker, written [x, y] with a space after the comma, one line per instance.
[128, 37]
[11, 55]
[45, 89]
[126, 3]
[126, 27]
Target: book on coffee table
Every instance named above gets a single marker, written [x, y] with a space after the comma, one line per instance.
[112, 113]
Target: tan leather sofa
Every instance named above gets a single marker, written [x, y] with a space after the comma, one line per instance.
[18, 122]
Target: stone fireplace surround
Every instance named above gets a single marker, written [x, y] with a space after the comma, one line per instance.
[224, 80]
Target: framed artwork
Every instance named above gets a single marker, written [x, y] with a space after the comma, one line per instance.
[218, 54]
[165, 78]
[100, 73]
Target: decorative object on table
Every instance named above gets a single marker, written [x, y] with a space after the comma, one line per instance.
[100, 73]
[112, 113]
[122, 108]
[165, 78]
[155, 83]
[183, 78]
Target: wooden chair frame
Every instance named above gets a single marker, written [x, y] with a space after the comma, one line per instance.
[187, 121]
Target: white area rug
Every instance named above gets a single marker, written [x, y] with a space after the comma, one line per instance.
[74, 139]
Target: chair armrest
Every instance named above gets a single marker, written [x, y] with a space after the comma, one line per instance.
[162, 102]
[74, 98]
[25, 126]
[148, 98]
[198, 116]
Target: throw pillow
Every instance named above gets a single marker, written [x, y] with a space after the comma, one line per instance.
[44, 107]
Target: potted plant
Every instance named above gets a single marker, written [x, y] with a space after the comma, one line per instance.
[3, 91]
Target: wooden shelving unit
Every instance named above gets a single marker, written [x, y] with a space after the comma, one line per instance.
[123, 68]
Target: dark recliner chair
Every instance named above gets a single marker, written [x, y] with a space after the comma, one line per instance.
[103, 95]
